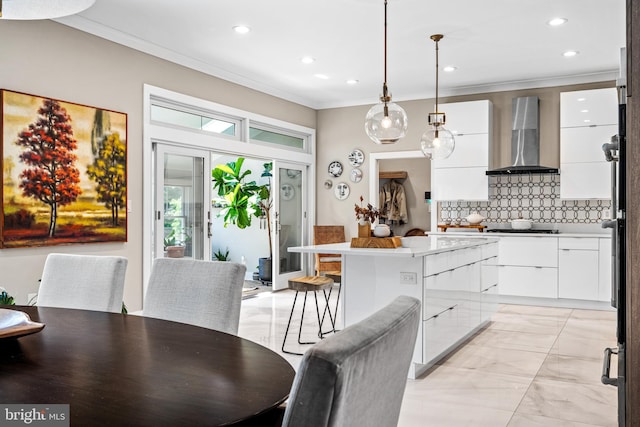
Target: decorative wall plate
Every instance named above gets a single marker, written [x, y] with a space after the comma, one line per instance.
[356, 157]
[342, 191]
[287, 191]
[335, 169]
[356, 175]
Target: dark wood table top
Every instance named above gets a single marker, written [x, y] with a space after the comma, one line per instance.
[118, 370]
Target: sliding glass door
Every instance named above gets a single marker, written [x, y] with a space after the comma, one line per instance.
[290, 221]
[182, 207]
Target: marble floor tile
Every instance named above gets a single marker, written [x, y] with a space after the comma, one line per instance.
[572, 344]
[574, 369]
[514, 340]
[451, 385]
[533, 310]
[524, 420]
[420, 414]
[527, 323]
[591, 328]
[571, 401]
[533, 366]
[595, 314]
[494, 360]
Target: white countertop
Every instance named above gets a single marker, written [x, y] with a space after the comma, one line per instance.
[415, 246]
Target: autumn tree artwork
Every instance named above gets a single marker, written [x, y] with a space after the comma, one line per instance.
[64, 177]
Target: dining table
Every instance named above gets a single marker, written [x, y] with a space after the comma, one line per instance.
[126, 370]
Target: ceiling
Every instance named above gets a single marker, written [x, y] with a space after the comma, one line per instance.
[495, 45]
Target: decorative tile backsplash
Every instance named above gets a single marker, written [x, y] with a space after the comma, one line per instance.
[536, 197]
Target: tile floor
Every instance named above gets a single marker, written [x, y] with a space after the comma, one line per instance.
[532, 366]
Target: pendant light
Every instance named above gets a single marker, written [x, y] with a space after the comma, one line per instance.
[437, 142]
[386, 122]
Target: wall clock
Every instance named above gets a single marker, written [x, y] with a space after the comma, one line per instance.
[356, 157]
[341, 191]
[335, 169]
[356, 175]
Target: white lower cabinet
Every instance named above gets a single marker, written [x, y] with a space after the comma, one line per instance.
[527, 266]
[439, 331]
[578, 268]
[555, 267]
[605, 262]
[540, 282]
[454, 303]
[488, 288]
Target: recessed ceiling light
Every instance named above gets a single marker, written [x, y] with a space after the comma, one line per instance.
[582, 99]
[308, 60]
[556, 21]
[449, 68]
[352, 82]
[570, 53]
[584, 111]
[241, 29]
[587, 121]
[321, 76]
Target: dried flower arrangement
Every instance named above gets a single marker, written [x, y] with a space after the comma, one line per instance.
[366, 214]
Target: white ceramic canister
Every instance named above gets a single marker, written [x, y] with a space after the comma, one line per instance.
[381, 230]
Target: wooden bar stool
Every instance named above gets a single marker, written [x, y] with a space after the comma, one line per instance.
[308, 284]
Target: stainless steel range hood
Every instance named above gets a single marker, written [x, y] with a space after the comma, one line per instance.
[525, 139]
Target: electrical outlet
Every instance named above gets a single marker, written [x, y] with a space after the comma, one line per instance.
[408, 278]
[606, 214]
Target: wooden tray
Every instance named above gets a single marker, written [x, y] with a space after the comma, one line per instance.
[376, 242]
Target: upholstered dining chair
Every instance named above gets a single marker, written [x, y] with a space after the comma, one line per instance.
[357, 377]
[200, 293]
[89, 282]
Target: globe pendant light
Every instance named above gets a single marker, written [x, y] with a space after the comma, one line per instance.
[437, 142]
[386, 122]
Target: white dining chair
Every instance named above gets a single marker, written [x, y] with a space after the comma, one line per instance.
[89, 282]
[200, 293]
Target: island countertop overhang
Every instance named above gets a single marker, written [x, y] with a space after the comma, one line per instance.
[416, 246]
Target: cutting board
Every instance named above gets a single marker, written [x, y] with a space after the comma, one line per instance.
[376, 242]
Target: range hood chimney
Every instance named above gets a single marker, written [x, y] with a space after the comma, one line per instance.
[525, 139]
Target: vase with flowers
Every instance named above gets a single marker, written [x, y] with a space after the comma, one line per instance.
[365, 216]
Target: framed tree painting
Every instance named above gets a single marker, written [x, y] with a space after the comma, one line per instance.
[64, 172]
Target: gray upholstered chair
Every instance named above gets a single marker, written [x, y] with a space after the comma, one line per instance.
[200, 293]
[357, 377]
[89, 282]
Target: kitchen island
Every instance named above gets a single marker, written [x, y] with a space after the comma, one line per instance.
[454, 277]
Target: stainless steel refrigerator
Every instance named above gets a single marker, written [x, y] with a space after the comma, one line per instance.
[615, 152]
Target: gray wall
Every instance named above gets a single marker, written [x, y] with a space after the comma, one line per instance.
[49, 59]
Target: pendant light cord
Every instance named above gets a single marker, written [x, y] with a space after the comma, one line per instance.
[436, 38]
[385, 42]
[385, 91]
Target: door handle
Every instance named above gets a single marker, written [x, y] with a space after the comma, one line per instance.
[606, 368]
[209, 229]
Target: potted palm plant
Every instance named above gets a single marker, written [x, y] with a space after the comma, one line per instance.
[245, 200]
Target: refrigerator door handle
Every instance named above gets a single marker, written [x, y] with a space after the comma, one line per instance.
[606, 367]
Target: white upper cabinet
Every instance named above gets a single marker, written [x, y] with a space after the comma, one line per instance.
[462, 175]
[589, 107]
[467, 117]
[588, 119]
